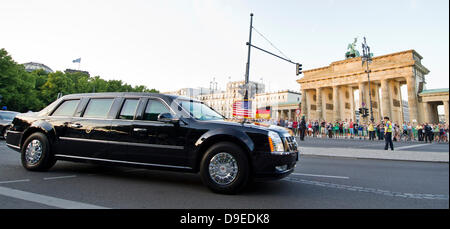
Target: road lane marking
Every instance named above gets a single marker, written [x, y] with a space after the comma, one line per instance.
[46, 200]
[14, 181]
[369, 190]
[413, 146]
[60, 177]
[317, 175]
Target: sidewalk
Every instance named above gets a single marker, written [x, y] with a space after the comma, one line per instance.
[376, 154]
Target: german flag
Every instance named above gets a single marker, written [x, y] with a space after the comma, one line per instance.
[263, 113]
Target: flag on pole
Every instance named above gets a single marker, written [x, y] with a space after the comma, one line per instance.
[76, 60]
[263, 112]
[242, 109]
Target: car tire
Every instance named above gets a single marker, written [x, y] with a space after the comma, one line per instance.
[36, 154]
[224, 168]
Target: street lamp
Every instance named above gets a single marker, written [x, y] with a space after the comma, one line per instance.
[367, 57]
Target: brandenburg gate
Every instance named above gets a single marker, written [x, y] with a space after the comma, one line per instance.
[328, 92]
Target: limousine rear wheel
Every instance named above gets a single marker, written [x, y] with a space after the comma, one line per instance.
[224, 168]
[36, 155]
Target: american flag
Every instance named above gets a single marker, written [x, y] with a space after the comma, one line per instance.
[242, 109]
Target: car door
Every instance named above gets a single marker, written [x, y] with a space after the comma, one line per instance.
[121, 127]
[156, 142]
[89, 134]
[60, 119]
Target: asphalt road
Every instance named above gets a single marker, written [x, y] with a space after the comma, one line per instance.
[318, 182]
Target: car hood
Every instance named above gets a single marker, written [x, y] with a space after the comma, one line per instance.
[252, 125]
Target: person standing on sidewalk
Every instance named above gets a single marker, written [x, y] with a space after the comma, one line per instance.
[427, 130]
[371, 130]
[420, 132]
[382, 130]
[295, 127]
[302, 128]
[388, 134]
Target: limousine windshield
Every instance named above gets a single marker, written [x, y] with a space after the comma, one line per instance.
[199, 110]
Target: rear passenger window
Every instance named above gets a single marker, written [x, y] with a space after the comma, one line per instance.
[98, 108]
[67, 108]
[128, 109]
[153, 109]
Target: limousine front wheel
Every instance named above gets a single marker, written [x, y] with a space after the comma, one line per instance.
[36, 154]
[225, 168]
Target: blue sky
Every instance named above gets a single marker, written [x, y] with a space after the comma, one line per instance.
[168, 45]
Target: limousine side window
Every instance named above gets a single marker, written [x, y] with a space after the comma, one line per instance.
[129, 109]
[67, 108]
[98, 108]
[153, 109]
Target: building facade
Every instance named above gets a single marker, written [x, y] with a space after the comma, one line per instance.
[328, 91]
[189, 92]
[283, 104]
[222, 101]
[31, 66]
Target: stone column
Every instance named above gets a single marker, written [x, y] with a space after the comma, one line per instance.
[304, 106]
[319, 104]
[426, 112]
[385, 99]
[446, 111]
[412, 99]
[434, 113]
[352, 103]
[362, 96]
[336, 104]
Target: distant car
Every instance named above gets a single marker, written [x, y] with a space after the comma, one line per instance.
[6, 118]
[154, 131]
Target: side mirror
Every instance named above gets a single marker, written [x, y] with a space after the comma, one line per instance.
[168, 118]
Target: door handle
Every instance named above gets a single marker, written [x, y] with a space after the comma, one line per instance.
[139, 129]
[76, 125]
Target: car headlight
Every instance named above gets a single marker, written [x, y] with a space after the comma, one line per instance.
[275, 142]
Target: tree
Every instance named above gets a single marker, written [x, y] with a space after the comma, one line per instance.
[23, 91]
[17, 86]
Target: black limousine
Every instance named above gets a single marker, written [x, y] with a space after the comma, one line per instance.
[153, 131]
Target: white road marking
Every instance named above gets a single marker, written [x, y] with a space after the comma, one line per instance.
[60, 177]
[46, 200]
[317, 175]
[369, 190]
[412, 146]
[14, 181]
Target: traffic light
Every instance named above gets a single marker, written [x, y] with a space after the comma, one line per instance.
[365, 112]
[298, 68]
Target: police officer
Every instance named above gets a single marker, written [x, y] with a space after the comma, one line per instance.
[388, 134]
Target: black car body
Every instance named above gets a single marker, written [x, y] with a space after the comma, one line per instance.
[6, 118]
[154, 131]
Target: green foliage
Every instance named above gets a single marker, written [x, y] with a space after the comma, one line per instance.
[23, 91]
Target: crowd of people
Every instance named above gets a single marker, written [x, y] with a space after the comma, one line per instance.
[425, 132]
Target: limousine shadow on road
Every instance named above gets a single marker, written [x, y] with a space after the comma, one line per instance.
[127, 173]
[188, 181]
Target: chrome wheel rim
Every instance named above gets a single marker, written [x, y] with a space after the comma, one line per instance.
[33, 152]
[223, 168]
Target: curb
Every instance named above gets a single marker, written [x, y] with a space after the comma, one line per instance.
[433, 156]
